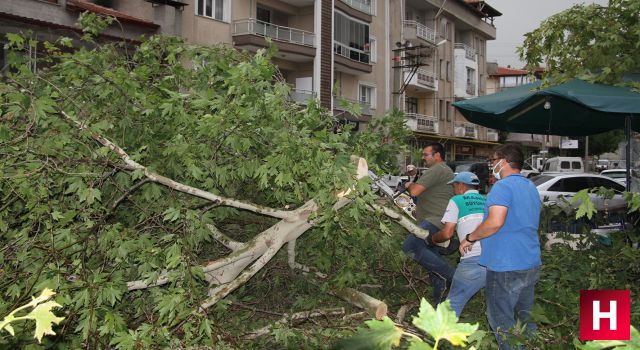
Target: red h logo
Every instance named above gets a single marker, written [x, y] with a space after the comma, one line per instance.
[605, 314]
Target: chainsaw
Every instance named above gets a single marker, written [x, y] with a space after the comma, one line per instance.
[400, 198]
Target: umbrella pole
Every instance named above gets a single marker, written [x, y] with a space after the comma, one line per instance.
[627, 132]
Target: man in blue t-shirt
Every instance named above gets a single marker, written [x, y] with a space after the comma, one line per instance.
[510, 245]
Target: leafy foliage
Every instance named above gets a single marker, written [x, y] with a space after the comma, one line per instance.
[74, 218]
[40, 312]
[587, 41]
[440, 323]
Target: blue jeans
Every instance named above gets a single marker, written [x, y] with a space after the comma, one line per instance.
[509, 300]
[440, 272]
[469, 278]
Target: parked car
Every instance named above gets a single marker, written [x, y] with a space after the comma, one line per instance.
[602, 164]
[619, 175]
[528, 171]
[554, 187]
[564, 165]
[478, 167]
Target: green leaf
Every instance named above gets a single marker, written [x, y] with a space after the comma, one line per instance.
[586, 206]
[417, 344]
[45, 319]
[632, 343]
[443, 323]
[380, 335]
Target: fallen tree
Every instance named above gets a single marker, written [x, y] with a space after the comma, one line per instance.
[146, 184]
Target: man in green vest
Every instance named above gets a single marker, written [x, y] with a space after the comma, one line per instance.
[464, 213]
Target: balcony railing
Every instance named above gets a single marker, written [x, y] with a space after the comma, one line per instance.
[466, 130]
[350, 52]
[301, 96]
[471, 88]
[360, 5]
[492, 135]
[469, 52]
[280, 33]
[423, 123]
[426, 77]
[422, 31]
[339, 101]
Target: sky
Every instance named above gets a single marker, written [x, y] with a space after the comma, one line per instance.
[520, 17]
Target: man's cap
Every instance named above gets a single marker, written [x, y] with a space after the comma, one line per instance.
[411, 167]
[466, 177]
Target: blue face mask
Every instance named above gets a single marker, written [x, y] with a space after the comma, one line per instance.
[497, 174]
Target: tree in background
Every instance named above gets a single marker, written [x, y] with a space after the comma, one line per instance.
[589, 42]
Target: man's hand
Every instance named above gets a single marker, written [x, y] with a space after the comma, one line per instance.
[429, 239]
[465, 247]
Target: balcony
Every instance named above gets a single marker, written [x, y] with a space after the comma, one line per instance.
[299, 45]
[339, 104]
[469, 53]
[467, 130]
[351, 60]
[360, 5]
[422, 80]
[414, 30]
[422, 123]
[280, 33]
[492, 135]
[301, 96]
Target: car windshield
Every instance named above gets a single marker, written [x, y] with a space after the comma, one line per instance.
[540, 179]
[603, 162]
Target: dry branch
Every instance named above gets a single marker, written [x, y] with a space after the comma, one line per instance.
[371, 305]
[304, 315]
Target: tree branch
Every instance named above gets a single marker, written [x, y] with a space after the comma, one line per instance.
[224, 239]
[281, 214]
[403, 221]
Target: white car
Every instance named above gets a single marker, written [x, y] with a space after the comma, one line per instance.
[528, 171]
[619, 175]
[553, 187]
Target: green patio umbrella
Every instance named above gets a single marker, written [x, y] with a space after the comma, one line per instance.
[574, 108]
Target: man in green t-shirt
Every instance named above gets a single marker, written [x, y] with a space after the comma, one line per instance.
[433, 195]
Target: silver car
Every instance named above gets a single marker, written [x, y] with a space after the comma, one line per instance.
[619, 175]
[553, 187]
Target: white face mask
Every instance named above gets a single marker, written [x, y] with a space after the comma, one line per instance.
[497, 174]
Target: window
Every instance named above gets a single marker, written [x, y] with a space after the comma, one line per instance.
[565, 165]
[441, 69]
[570, 184]
[368, 95]
[263, 14]
[411, 105]
[350, 32]
[372, 49]
[441, 110]
[609, 184]
[576, 165]
[216, 9]
[448, 111]
[448, 69]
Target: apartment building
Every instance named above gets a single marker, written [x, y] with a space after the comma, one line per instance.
[416, 55]
[501, 78]
[453, 67]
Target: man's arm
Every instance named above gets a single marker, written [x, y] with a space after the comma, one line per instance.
[495, 220]
[415, 189]
[445, 234]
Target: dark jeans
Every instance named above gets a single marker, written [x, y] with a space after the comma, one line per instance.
[509, 300]
[440, 272]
